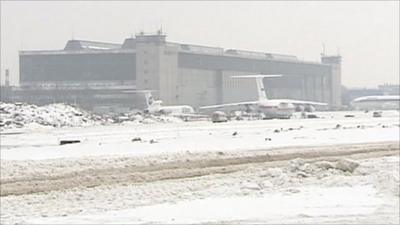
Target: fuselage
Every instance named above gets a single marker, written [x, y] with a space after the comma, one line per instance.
[176, 110]
[276, 109]
[155, 106]
[171, 110]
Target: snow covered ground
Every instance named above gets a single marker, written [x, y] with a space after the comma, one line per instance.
[294, 193]
[203, 136]
[275, 208]
[291, 192]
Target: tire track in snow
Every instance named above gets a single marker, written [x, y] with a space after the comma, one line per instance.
[191, 167]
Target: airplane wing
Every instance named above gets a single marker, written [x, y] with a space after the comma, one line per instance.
[189, 115]
[229, 104]
[301, 102]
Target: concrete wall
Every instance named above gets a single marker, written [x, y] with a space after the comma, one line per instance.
[198, 87]
[157, 69]
[76, 66]
[238, 90]
[147, 67]
[168, 85]
[335, 79]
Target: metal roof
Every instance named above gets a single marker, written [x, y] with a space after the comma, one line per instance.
[89, 45]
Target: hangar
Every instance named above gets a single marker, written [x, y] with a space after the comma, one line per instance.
[100, 76]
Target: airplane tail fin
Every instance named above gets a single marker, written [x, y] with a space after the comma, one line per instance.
[147, 94]
[260, 85]
[149, 99]
[151, 104]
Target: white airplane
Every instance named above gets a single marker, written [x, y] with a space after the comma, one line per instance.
[155, 106]
[271, 108]
[377, 102]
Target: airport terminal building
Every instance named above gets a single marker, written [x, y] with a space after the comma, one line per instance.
[103, 76]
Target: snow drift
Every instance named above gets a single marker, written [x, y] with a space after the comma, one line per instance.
[19, 115]
[24, 115]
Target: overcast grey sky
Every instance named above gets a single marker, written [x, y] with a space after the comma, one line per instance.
[367, 33]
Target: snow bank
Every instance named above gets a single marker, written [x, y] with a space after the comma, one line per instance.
[23, 115]
[20, 115]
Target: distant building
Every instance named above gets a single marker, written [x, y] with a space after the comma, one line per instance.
[352, 93]
[6, 89]
[100, 75]
[390, 89]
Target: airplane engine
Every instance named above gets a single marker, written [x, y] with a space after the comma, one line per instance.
[249, 109]
[164, 112]
[300, 108]
[309, 108]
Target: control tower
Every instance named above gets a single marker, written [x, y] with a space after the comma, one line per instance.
[336, 78]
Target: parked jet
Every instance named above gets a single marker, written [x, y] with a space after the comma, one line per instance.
[271, 108]
[377, 102]
[155, 106]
